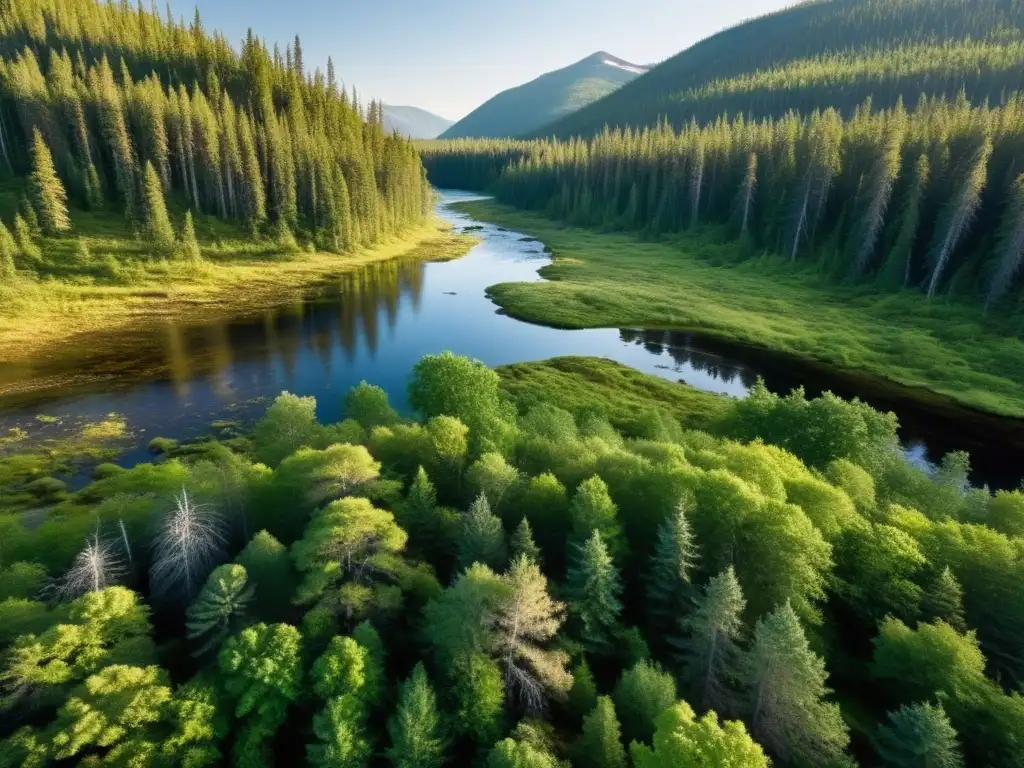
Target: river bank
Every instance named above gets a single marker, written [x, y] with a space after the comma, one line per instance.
[38, 315]
[614, 280]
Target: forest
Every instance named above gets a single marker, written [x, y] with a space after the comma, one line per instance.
[526, 575]
[105, 107]
[821, 54]
[928, 199]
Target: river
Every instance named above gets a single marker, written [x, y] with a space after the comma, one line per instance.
[375, 323]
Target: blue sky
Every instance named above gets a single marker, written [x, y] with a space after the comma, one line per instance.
[448, 56]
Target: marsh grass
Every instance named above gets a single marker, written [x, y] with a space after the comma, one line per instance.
[102, 276]
[700, 282]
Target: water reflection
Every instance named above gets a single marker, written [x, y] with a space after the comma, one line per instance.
[375, 322]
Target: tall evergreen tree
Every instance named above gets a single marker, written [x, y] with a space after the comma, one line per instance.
[594, 590]
[522, 543]
[600, 743]
[482, 539]
[417, 738]
[157, 223]
[789, 714]
[918, 736]
[48, 196]
[710, 647]
[670, 571]
[220, 608]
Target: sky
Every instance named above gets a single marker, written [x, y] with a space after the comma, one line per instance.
[449, 56]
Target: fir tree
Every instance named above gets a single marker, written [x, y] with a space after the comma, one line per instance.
[522, 543]
[48, 197]
[710, 649]
[28, 251]
[188, 245]
[789, 715]
[918, 736]
[944, 600]
[157, 223]
[595, 589]
[8, 251]
[417, 738]
[482, 539]
[600, 743]
[671, 566]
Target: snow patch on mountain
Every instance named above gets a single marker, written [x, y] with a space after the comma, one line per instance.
[623, 65]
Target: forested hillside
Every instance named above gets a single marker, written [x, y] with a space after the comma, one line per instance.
[833, 53]
[931, 199]
[108, 107]
[414, 122]
[563, 570]
[527, 107]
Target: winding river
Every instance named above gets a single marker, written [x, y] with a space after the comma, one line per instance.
[374, 324]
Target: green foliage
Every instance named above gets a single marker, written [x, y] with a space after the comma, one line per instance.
[492, 477]
[221, 607]
[592, 509]
[583, 693]
[187, 246]
[681, 739]
[919, 735]
[47, 192]
[341, 740]
[643, 693]
[157, 224]
[479, 693]
[789, 715]
[269, 569]
[21, 580]
[369, 405]
[416, 730]
[710, 644]
[482, 538]
[599, 744]
[595, 590]
[670, 574]
[289, 424]
[521, 544]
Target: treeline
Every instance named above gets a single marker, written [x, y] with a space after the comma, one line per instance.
[469, 163]
[931, 199]
[132, 107]
[516, 584]
[817, 55]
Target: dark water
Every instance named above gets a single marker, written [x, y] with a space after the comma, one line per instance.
[374, 324]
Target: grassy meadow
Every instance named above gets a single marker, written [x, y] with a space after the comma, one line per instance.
[698, 282]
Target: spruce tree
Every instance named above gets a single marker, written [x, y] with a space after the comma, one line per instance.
[522, 543]
[592, 509]
[600, 743]
[417, 738]
[482, 539]
[594, 590]
[583, 693]
[157, 224]
[188, 245]
[944, 600]
[788, 711]
[918, 736]
[8, 250]
[48, 197]
[710, 650]
[671, 567]
[28, 251]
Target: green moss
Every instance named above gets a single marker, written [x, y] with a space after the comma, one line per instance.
[696, 283]
[106, 470]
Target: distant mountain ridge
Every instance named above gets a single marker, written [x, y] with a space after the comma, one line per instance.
[414, 122]
[551, 96]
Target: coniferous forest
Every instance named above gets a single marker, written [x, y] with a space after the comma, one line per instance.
[106, 106]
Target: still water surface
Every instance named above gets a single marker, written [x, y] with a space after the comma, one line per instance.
[374, 324]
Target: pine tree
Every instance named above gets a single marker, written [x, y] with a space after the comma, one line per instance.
[918, 736]
[220, 608]
[592, 509]
[28, 251]
[8, 251]
[595, 589]
[710, 650]
[417, 738]
[1010, 250]
[48, 197]
[188, 245]
[944, 600]
[789, 715]
[600, 743]
[669, 574]
[482, 539]
[157, 223]
[522, 543]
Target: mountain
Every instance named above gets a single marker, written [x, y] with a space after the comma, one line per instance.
[414, 122]
[527, 107]
[831, 53]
